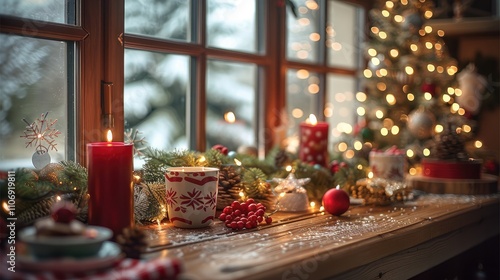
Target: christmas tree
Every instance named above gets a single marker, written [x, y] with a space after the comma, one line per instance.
[411, 93]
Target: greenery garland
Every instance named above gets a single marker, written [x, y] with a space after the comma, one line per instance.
[36, 191]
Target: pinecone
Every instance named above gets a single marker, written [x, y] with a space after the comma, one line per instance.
[229, 186]
[132, 241]
[450, 146]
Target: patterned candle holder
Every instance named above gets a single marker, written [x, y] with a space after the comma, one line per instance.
[191, 196]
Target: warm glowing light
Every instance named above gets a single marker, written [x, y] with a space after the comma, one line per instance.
[314, 37]
[389, 4]
[328, 111]
[39, 135]
[466, 128]
[428, 14]
[344, 127]
[379, 114]
[384, 131]
[237, 162]
[478, 144]
[342, 147]
[451, 70]
[383, 72]
[414, 47]
[359, 167]
[410, 97]
[438, 46]
[367, 73]
[381, 86]
[461, 111]
[304, 21]
[321, 208]
[410, 153]
[370, 175]
[302, 54]
[390, 99]
[386, 13]
[358, 145]
[375, 61]
[426, 152]
[440, 69]
[412, 171]
[229, 117]
[312, 204]
[361, 96]
[375, 30]
[428, 45]
[302, 74]
[109, 135]
[361, 111]
[427, 96]
[446, 98]
[242, 194]
[398, 18]
[404, 2]
[395, 130]
[297, 113]
[312, 5]
[312, 119]
[58, 198]
[450, 90]
[440, 33]
[431, 67]
[438, 128]
[455, 107]
[394, 53]
[349, 154]
[458, 92]
[428, 29]
[409, 70]
[288, 168]
[336, 46]
[202, 159]
[313, 88]
[382, 35]
[372, 52]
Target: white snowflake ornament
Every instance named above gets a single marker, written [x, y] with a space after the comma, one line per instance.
[41, 135]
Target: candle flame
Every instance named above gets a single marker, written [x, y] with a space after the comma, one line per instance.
[109, 136]
[312, 119]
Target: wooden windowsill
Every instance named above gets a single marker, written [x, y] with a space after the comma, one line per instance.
[397, 241]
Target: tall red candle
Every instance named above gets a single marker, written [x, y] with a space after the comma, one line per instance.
[313, 146]
[110, 185]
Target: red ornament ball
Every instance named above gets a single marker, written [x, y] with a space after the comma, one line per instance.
[336, 201]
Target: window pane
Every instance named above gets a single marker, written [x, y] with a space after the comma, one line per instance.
[303, 32]
[231, 104]
[231, 25]
[33, 77]
[162, 19]
[303, 98]
[341, 35]
[341, 104]
[47, 10]
[155, 93]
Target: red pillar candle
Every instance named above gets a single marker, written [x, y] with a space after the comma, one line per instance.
[313, 141]
[110, 185]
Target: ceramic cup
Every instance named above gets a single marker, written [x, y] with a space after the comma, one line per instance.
[191, 195]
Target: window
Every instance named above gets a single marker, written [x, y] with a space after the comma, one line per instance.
[323, 57]
[187, 74]
[37, 88]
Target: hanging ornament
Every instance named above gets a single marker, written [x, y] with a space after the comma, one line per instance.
[421, 123]
[367, 135]
[413, 21]
[41, 135]
[292, 196]
[429, 87]
[336, 201]
[472, 86]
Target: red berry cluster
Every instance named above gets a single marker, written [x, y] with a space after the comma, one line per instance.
[243, 215]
